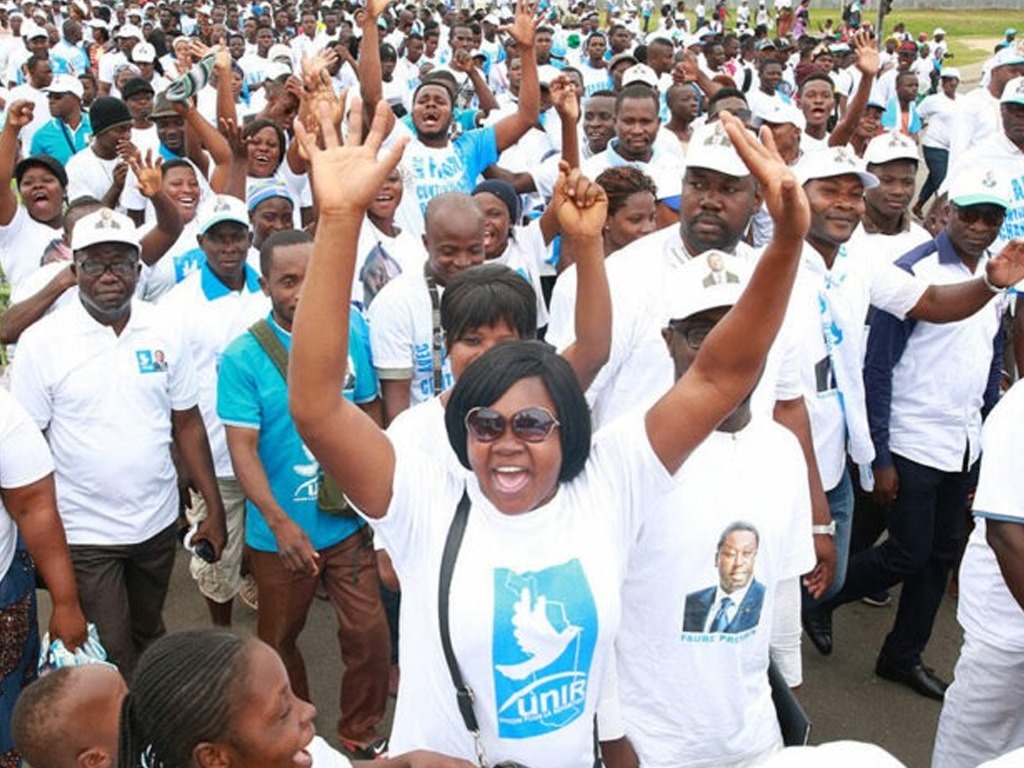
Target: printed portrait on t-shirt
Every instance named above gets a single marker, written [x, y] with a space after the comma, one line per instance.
[733, 605]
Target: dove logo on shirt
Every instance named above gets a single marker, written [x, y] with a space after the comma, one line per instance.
[545, 629]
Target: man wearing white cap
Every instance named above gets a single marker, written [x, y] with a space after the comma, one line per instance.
[719, 197]
[939, 112]
[128, 36]
[215, 305]
[926, 387]
[940, 48]
[69, 130]
[37, 43]
[983, 713]
[830, 300]
[112, 383]
[978, 114]
[886, 230]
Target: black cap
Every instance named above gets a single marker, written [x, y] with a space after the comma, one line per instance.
[45, 161]
[108, 112]
[134, 87]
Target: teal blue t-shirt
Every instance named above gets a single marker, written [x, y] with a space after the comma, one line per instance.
[252, 394]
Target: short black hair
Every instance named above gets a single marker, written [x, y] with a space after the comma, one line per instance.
[814, 76]
[492, 374]
[726, 93]
[36, 722]
[638, 91]
[281, 239]
[485, 295]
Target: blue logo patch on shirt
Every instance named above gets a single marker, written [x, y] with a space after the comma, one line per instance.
[151, 361]
[545, 630]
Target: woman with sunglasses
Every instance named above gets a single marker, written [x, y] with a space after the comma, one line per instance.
[534, 596]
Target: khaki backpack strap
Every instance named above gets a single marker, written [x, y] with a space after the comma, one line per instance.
[272, 345]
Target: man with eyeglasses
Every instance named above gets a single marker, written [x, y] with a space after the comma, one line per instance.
[68, 130]
[112, 383]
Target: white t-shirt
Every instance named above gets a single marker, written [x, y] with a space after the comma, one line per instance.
[534, 602]
[171, 268]
[405, 252]
[525, 254]
[402, 335]
[940, 113]
[212, 317]
[977, 118]
[106, 402]
[22, 244]
[887, 248]
[669, 601]
[24, 459]
[854, 283]
[89, 174]
[986, 607]
[40, 116]
[664, 168]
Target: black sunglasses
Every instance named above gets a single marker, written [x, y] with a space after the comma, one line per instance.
[532, 425]
[991, 215]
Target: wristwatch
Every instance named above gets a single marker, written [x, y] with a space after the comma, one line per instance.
[825, 530]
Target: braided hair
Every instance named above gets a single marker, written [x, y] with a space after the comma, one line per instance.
[180, 696]
[622, 182]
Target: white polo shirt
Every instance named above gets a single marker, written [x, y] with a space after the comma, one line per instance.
[938, 384]
[212, 316]
[24, 459]
[105, 402]
[940, 114]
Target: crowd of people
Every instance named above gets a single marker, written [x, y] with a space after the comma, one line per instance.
[581, 360]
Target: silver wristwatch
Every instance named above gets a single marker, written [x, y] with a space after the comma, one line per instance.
[825, 530]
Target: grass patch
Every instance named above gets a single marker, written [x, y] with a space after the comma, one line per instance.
[971, 33]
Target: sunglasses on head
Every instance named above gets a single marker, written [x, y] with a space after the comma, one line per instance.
[992, 215]
[532, 425]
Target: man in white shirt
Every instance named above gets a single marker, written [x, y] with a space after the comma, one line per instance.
[978, 115]
[939, 112]
[886, 230]
[983, 713]
[834, 289]
[128, 36]
[100, 170]
[112, 383]
[215, 305]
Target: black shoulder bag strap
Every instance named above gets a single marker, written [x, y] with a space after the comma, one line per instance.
[463, 693]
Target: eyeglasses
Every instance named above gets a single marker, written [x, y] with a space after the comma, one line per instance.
[532, 425]
[121, 268]
[694, 333]
[991, 215]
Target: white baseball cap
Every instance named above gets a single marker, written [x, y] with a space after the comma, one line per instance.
[836, 754]
[711, 148]
[129, 30]
[834, 161]
[104, 226]
[1013, 92]
[65, 84]
[640, 73]
[1007, 56]
[712, 279]
[220, 209]
[143, 53]
[778, 112]
[980, 185]
[938, 31]
[279, 51]
[890, 146]
[950, 72]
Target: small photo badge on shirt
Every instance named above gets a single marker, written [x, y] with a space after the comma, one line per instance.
[151, 361]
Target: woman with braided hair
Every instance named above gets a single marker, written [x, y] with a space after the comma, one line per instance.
[632, 200]
[206, 698]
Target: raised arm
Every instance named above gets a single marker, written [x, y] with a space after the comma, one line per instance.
[371, 82]
[582, 207]
[510, 129]
[730, 360]
[949, 303]
[349, 445]
[19, 114]
[463, 62]
[868, 63]
[168, 227]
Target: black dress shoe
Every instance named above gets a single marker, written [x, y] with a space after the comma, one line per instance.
[918, 678]
[818, 626]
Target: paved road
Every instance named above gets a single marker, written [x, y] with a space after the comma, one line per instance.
[843, 697]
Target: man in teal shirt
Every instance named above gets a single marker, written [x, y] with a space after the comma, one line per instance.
[293, 542]
[68, 131]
